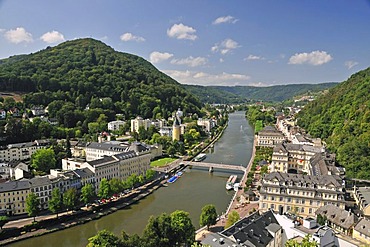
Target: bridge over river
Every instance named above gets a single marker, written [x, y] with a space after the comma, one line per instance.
[216, 165]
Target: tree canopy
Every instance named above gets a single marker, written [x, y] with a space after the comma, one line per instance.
[32, 205]
[342, 119]
[208, 216]
[43, 160]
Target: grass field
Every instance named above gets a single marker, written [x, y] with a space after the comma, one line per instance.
[162, 162]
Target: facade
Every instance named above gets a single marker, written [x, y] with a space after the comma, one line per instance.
[13, 196]
[293, 158]
[299, 194]
[139, 122]
[96, 150]
[2, 114]
[362, 198]
[269, 137]
[38, 111]
[324, 164]
[338, 218]
[21, 151]
[42, 187]
[207, 124]
[361, 231]
[115, 125]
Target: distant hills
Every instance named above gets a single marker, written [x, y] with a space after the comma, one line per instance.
[342, 118]
[237, 94]
[86, 72]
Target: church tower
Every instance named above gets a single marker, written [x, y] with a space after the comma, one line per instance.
[176, 131]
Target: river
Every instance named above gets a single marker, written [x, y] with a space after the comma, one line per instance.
[191, 192]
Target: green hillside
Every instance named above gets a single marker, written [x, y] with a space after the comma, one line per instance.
[85, 71]
[239, 94]
[342, 119]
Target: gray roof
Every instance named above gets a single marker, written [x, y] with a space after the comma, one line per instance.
[213, 239]
[107, 147]
[253, 229]
[126, 155]
[14, 186]
[84, 172]
[138, 147]
[289, 147]
[363, 226]
[39, 181]
[283, 178]
[103, 161]
[338, 216]
[364, 192]
[270, 130]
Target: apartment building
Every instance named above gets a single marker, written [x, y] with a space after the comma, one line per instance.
[293, 158]
[206, 123]
[269, 137]
[13, 195]
[139, 122]
[21, 151]
[42, 187]
[362, 198]
[361, 231]
[299, 194]
[116, 125]
[97, 150]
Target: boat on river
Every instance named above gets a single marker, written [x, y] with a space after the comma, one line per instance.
[200, 157]
[172, 179]
[231, 181]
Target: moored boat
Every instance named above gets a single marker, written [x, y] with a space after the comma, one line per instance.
[200, 157]
[172, 179]
[230, 182]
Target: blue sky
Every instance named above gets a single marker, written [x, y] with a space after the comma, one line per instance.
[206, 42]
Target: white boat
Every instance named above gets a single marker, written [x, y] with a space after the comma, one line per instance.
[230, 182]
[236, 186]
[200, 157]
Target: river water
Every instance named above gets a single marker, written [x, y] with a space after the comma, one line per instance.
[191, 192]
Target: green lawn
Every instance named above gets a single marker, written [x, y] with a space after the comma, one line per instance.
[162, 162]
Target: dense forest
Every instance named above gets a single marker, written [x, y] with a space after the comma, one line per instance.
[342, 119]
[239, 94]
[87, 72]
[84, 84]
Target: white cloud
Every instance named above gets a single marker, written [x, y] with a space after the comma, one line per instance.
[18, 35]
[202, 78]
[180, 31]
[52, 37]
[253, 57]
[350, 64]
[225, 19]
[313, 58]
[190, 61]
[157, 57]
[221, 60]
[225, 46]
[131, 37]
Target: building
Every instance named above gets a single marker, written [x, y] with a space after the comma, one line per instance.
[176, 128]
[338, 218]
[96, 150]
[293, 158]
[2, 114]
[13, 196]
[324, 164]
[139, 122]
[116, 125]
[256, 230]
[207, 124]
[361, 231]
[42, 187]
[362, 198]
[300, 194]
[269, 137]
[38, 111]
[21, 151]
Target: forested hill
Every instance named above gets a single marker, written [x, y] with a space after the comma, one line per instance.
[237, 94]
[342, 118]
[86, 71]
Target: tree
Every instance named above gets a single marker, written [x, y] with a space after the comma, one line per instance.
[149, 174]
[55, 202]
[208, 216]
[232, 218]
[306, 242]
[183, 229]
[87, 193]
[104, 238]
[70, 198]
[43, 160]
[32, 205]
[321, 219]
[104, 189]
[3, 220]
[158, 232]
[115, 185]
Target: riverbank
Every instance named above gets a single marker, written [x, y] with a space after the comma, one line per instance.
[68, 220]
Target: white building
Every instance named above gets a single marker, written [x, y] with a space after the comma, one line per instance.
[21, 151]
[116, 125]
[207, 124]
[139, 122]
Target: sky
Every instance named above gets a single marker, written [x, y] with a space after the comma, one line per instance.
[206, 42]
